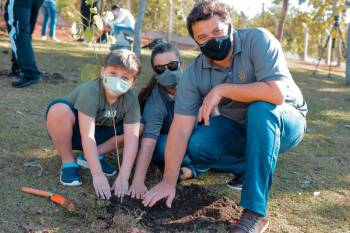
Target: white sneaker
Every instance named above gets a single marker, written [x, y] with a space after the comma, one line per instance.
[43, 38]
[55, 39]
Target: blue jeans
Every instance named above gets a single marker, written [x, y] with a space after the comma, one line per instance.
[49, 10]
[159, 157]
[251, 149]
[122, 28]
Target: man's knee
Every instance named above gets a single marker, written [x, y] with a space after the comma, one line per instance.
[259, 111]
[197, 148]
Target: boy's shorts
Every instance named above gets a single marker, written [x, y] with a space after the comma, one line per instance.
[102, 133]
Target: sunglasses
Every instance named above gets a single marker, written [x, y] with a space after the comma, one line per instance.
[173, 65]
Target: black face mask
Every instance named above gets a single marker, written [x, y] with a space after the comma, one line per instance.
[217, 48]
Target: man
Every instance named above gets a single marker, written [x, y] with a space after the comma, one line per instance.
[123, 20]
[21, 16]
[121, 27]
[242, 74]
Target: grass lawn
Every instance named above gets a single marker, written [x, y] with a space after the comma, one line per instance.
[321, 163]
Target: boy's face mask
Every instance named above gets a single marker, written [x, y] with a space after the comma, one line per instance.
[116, 84]
[169, 78]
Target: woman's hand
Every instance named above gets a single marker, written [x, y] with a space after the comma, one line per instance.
[137, 189]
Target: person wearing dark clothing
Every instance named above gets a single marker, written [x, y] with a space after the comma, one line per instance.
[21, 16]
[85, 12]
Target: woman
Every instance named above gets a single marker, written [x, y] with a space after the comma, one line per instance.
[157, 106]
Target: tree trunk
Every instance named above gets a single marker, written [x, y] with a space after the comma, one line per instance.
[338, 42]
[138, 27]
[282, 20]
[347, 81]
[171, 18]
[306, 41]
[102, 6]
[128, 5]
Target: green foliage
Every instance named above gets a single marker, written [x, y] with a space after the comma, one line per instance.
[89, 34]
[89, 72]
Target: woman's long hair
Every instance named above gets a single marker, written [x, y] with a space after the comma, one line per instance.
[158, 49]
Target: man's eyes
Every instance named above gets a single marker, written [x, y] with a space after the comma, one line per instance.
[218, 31]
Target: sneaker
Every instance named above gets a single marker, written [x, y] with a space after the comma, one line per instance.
[43, 38]
[15, 72]
[185, 173]
[108, 169]
[24, 82]
[55, 39]
[236, 183]
[250, 222]
[70, 176]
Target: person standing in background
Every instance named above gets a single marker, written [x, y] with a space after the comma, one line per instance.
[21, 16]
[85, 12]
[50, 14]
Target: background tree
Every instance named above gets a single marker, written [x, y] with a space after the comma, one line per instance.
[282, 20]
[138, 27]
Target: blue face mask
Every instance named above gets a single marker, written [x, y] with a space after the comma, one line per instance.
[169, 78]
[116, 84]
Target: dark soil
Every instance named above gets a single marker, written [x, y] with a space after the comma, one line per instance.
[51, 78]
[193, 209]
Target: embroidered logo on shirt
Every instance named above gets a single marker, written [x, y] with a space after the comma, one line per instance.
[242, 76]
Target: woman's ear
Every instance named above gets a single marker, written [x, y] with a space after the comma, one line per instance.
[102, 69]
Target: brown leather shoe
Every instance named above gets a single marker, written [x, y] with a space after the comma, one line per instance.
[250, 222]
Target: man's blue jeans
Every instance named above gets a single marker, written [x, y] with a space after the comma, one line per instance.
[249, 150]
[159, 157]
[49, 10]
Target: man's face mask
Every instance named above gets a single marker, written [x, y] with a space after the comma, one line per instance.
[217, 48]
[169, 78]
[116, 84]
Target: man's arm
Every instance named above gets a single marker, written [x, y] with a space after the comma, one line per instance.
[179, 134]
[269, 91]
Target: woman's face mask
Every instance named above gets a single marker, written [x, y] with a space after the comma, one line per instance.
[168, 78]
[116, 84]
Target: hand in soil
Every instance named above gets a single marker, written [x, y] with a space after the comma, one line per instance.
[137, 189]
[120, 187]
[101, 186]
[163, 190]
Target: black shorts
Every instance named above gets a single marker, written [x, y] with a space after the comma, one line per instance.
[102, 133]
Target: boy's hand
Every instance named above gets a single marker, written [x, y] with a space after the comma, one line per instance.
[120, 186]
[101, 186]
[137, 189]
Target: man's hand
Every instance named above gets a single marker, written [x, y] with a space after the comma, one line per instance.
[101, 186]
[120, 186]
[210, 102]
[137, 189]
[162, 190]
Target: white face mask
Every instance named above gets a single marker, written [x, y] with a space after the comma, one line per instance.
[116, 84]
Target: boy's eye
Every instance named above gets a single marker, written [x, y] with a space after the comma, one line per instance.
[125, 78]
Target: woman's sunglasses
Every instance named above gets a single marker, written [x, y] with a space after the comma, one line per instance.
[173, 65]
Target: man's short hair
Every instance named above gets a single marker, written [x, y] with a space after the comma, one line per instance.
[205, 9]
[115, 7]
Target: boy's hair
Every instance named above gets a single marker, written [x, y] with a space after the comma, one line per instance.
[205, 9]
[124, 59]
